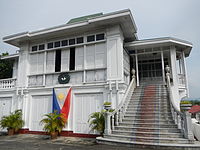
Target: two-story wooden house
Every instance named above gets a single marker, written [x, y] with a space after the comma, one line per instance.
[96, 54]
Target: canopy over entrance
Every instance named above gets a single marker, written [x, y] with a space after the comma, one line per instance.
[150, 57]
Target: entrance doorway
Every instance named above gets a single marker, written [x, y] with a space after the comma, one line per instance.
[150, 69]
[150, 66]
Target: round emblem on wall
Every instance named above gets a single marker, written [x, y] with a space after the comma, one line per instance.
[63, 78]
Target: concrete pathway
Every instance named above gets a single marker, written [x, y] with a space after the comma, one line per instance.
[42, 142]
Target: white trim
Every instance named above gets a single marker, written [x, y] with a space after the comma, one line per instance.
[163, 66]
[158, 41]
[137, 70]
[72, 25]
[185, 70]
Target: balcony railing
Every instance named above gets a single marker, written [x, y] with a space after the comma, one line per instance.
[7, 83]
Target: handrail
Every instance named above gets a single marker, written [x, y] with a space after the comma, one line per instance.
[182, 119]
[124, 100]
[113, 118]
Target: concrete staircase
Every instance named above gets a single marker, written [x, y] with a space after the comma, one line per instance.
[147, 120]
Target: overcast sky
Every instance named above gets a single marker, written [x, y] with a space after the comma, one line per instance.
[154, 18]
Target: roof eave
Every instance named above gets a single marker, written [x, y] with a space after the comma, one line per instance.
[160, 41]
[13, 56]
[16, 38]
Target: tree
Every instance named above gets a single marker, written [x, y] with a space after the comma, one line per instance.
[6, 67]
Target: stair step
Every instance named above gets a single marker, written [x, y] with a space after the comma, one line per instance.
[147, 120]
[160, 109]
[147, 139]
[147, 134]
[146, 117]
[150, 104]
[147, 113]
[149, 129]
[136, 124]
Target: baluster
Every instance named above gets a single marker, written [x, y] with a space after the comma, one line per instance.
[9, 83]
[179, 121]
[107, 130]
[113, 121]
[117, 119]
[175, 117]
[120, 114]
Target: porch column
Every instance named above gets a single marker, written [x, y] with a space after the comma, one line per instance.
[137, 72]
[163, 66]
[185, 72]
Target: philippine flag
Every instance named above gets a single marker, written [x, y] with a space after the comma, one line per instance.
[59, 106]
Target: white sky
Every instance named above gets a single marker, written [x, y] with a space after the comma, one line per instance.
[154, 18]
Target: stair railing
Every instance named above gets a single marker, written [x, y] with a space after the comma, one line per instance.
[182, 119]
[115, 117]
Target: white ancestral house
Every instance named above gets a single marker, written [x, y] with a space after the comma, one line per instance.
[96, 54]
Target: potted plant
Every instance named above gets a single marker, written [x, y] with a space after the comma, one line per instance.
[107, 105]
[185, 105]
[12, 122]
[53, 124]
[97, 121]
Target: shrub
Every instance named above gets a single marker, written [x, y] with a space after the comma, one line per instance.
[13, 121]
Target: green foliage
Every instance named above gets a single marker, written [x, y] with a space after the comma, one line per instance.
[53, 122]
[97, 121]
[195, 102]
[6, 67]
[186, 102]
[13, 121]
[107, 103]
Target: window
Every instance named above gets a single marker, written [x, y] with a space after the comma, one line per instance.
[72, 59]
[58, 61]
[100, 36]
[50, 45]
[64, 42]
[90, 38]
[71, 41]
[79, 40]
[41, 47]
[57, 44]
[34, 48]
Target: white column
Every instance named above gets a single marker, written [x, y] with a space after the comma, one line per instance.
[45, 68]
[84, 62]
[163, 66]
[185, 72]
[137, 72]
[173, 65]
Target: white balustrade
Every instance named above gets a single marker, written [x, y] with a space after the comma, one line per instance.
[7, 83]
[114, 118]
[182, 119]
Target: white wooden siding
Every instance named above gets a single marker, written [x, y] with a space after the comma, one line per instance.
[33, 63]
[90, 56]
[79, 51]
[43, 105]
[100, 57]
[5, 107]
[96, 56]
[65, 60]
[50, 62]
[36, 63]
[85, 104]
[126, 61]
